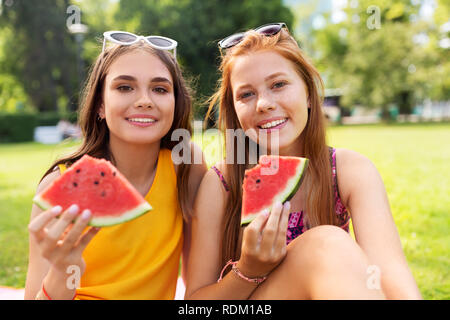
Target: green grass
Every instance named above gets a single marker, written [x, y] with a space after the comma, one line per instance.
[413, 161]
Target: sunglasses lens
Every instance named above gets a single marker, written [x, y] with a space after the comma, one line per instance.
[123, 37]
[269, 30]
[232, 40]
[160, 42]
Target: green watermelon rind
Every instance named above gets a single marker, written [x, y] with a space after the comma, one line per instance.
[103, 221]
[292, 187]
[124, 217]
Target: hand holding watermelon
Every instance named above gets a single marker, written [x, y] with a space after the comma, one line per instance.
[60, 240]
[264, 242]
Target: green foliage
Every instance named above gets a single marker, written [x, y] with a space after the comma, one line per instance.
[52, 118]
[17, 127]
[377, 58]
[39, 52]
[12, 95]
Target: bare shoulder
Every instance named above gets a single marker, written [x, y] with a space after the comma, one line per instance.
[211, 197]
[352, 168]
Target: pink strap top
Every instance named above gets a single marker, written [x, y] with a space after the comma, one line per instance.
[296, 225]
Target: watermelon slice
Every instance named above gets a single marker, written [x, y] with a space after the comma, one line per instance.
[275, 178]
[95, 184]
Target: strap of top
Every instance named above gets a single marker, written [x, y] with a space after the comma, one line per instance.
[333, 170]
[222, 179]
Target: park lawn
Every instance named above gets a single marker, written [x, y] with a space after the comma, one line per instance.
[412, 160]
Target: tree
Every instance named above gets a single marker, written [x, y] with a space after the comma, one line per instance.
[40, 54]
[378, 55]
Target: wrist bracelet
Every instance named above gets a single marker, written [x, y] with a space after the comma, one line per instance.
[257, 280]
[48, 297]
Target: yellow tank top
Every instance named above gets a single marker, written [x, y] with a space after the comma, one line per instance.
[139, 259]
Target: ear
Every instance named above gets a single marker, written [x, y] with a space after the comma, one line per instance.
[101, 111]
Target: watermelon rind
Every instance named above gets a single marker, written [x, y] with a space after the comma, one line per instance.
[104, 221]
[248, 219]
[41, 203]
[124, 217]
[291, 188]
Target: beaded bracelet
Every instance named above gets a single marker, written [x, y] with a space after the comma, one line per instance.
[257, 280]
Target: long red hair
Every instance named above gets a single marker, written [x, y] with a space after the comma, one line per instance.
[318, 178]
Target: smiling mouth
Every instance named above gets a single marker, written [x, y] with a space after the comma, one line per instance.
[272, 124]
[141, 120]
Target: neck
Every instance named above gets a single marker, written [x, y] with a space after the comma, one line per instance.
[137, 162]
[295, 149]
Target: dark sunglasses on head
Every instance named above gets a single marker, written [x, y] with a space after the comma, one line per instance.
[269, 29]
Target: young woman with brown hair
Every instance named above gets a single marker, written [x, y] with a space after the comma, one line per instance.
[134, 99]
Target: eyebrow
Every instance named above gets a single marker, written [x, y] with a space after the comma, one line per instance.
[277, 74]
[131, 78]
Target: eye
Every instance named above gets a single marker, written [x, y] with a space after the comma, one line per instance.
[245, 95]
[124, 88]
[279, 84]
[160, 90]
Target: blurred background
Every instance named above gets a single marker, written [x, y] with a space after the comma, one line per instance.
[386, 70]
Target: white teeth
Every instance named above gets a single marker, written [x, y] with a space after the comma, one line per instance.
[143, 120]
[272, 124]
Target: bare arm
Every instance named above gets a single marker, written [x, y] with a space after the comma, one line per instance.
[198, 171]
[204, 262]
[363, 193]
[55, 244]
[263, 246]
[38, 267]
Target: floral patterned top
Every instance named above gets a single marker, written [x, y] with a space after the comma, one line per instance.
[296, 225]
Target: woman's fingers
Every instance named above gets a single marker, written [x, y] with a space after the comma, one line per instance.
[54, 233]
[271, 229]
[37, 225]
[75, 232]
[86, 238]
[252, 232]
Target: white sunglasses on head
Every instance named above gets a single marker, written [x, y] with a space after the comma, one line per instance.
[127, 38]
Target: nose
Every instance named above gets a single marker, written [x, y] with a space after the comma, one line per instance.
[264, 104]
[144, 100]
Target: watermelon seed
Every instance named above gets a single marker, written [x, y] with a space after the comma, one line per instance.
[78, 170]
[95, 182]
[103, 194]
[114, 173]
[258, 180]
[102, 174]
[75, 184]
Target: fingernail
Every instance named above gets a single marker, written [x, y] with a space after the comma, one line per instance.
[278, 205]
[56, 210]
[265, 212]
[287, 205]
[86, 214]
[73, 209]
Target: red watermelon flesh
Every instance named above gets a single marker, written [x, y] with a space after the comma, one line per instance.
[95, 184]
[275, 178]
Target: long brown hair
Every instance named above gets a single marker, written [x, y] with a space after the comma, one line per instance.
[318, 178]
[96, 133]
